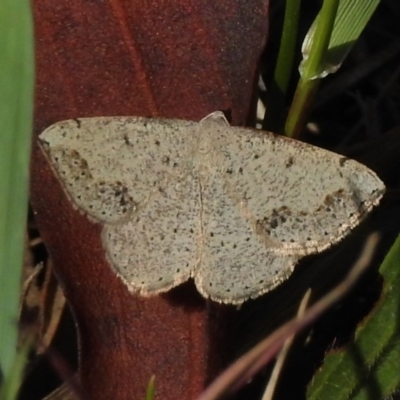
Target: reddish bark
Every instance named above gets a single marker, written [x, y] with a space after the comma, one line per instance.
[166, 58]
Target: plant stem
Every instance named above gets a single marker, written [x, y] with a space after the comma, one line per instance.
[313, 69]
[273, 119]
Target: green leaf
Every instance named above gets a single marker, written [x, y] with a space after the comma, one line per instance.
[351, 18]
[331, 36]
[369, 367]
[16, 104]
[283, 70]
[10, 387]
[317, 41]
[151, 389]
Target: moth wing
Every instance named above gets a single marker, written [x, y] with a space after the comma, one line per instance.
[109, 166]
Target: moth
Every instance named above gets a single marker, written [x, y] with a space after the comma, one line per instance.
[233, 208]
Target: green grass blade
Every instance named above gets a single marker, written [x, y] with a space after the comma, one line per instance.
[312, 67]
[276, 94]
[16, 104]
[10, 387]
[151, 389]
[331, 36]
[313, 64]
[369, 367]
[351, 19]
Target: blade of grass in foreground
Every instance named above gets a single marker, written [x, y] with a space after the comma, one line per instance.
[10, 387]
[16, 103]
